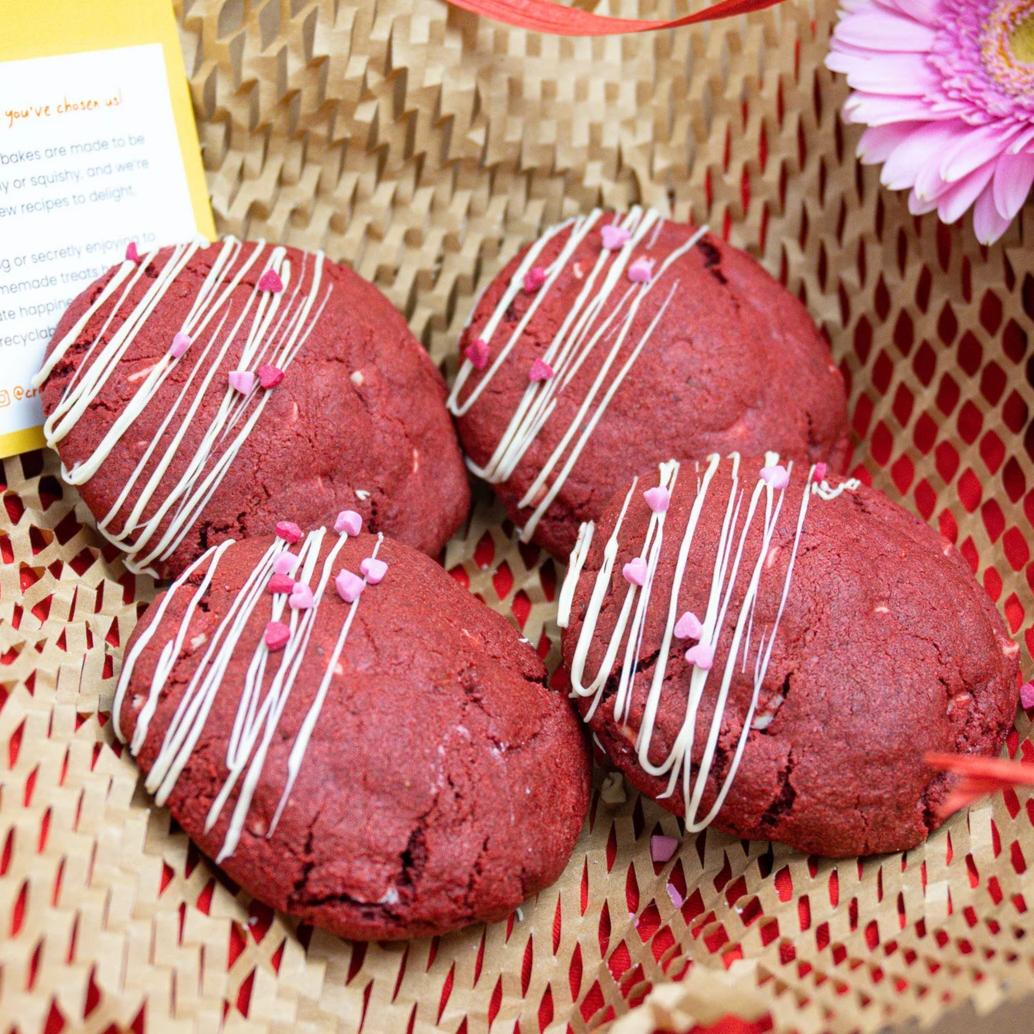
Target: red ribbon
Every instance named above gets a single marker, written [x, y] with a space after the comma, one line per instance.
[553, 18]
[980, 776]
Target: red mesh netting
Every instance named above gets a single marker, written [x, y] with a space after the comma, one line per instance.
[424, 146]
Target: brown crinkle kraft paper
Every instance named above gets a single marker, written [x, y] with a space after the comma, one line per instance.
[423, 146]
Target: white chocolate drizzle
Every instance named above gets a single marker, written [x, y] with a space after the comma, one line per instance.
[759, 503]
[263, 699]
[270, 329]
[586, 335]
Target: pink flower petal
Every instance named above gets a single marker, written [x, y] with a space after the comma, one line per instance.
[988, 223]
[900, 75]
[879, 142]
[882, 31]
[876, 110]
[676, 897]
[843, 59]
[915, 154]
[954, 202]
[1014, 175]
[926, 11]
[974, 148]
[920, 206]
[929, 184]
[1023, 143]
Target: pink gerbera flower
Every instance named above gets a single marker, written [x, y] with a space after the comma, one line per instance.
[947, 90]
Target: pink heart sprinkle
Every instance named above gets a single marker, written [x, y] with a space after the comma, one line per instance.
[1027, 695]
[285, 562]
[534, 278]
[242, 380]
[301, 598]
[288, 531]
[635, 571]
[270, 281]
[820, 473]
[614, 236]
[540, 371]
[277, 636]
[281, 583]
[657, 498]
[348, 585]
[701, 655]
[776, 476]
[688, 626]
[132, 255]
[676, 897]
[477, 353]
[641, 271]
[270, 376]
[662, 849]
[374, 569]
[180, 343]
[349, 522]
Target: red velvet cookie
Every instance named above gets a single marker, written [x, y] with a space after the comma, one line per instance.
[780, 651]
[353, 737]
[616, 341]
[208, 391]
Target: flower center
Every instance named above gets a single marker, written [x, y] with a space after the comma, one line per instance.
[1007, 46]
[1022, 40]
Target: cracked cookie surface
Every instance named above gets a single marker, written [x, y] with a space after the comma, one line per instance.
[887, 648]
[734, 362]
[357, 422]
[443, 783]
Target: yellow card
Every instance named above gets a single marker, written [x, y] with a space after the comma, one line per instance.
[98, 148]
